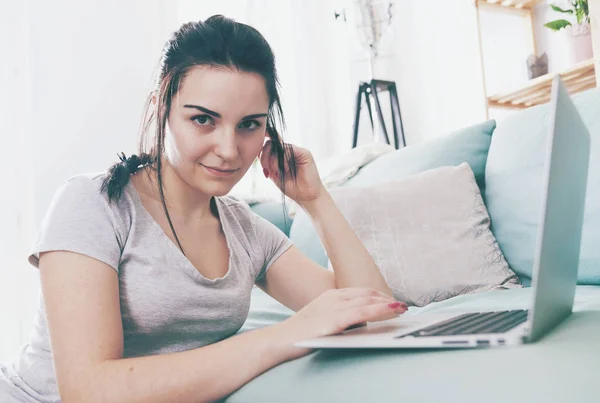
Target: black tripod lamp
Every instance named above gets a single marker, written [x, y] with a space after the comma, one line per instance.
[373, 89]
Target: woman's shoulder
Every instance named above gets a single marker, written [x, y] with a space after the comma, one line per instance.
[238, 209]
[83, 192]
[233, 202]
[89, 185]
[81, 219]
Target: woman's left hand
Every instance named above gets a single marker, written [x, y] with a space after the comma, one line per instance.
[307, 187]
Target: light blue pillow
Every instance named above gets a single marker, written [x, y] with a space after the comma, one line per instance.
[275, 212]
[466, 145]
[513, 187]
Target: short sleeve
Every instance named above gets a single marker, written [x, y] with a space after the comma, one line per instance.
[273, 242]
[79, 220]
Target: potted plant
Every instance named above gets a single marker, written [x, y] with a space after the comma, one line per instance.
[574, 29]
[578, 8]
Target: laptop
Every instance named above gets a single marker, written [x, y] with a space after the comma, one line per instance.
[555, 263]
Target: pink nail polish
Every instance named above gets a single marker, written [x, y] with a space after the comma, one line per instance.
[395, 305]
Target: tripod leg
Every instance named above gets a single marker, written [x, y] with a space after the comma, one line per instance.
[394, 122]
[357, 115]
[379, 113]
[399, 139]
[368, 99]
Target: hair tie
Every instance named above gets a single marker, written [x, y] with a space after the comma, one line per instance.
[131, 163]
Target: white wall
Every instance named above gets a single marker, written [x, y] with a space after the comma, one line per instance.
[91, 72]
[431, 52]
[506, 44]
[77, 78]
[437, 67]
[18, 284]
[505, 49]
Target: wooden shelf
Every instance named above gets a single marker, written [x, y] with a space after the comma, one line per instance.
[510, 4]
[537, 91]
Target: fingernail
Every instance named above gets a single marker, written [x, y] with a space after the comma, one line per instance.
[266, 172]
[395, 305]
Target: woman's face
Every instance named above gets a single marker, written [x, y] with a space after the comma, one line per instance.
[216, 127]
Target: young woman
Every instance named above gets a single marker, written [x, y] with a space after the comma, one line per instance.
[147, 269]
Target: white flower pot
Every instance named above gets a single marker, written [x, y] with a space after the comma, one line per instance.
[581, 47]
[573, 44]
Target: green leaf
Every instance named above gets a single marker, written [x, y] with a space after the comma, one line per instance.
[580, 15]
[557, 25]
[584, 5]
[560, 10]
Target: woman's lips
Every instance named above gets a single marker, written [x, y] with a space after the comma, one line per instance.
[221, 173]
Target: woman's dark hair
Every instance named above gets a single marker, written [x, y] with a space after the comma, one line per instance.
[217, 42]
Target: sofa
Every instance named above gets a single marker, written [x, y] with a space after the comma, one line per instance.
[562, 367]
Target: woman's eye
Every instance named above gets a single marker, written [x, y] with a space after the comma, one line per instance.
[203, 120]
[249, 125]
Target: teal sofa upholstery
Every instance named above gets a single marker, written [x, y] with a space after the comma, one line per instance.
[562, 367]
[513, 187]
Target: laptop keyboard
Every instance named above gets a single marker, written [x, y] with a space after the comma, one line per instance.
[474, 323]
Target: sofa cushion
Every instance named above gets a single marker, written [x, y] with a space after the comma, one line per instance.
[276, 213]
[514, 186]
[469, 145]
[466, 145]
[429, 234]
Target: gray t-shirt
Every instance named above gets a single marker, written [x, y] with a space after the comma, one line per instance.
[166, 304]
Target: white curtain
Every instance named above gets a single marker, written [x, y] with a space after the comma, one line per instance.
[74, 76]
[18, 282]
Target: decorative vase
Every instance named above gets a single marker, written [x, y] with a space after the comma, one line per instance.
[537, 66]
[579, 42]
[581, 48]
[569, 47]
[373, 20]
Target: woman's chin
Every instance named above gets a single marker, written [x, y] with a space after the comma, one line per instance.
[217, 186]
[217, 189]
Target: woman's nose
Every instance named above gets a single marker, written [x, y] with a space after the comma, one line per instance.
[226, 144]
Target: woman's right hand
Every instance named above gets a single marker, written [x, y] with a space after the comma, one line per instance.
[335, 311]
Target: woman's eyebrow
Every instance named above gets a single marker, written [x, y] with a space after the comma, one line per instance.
[203, 109]
[256, 116]
[217, 115]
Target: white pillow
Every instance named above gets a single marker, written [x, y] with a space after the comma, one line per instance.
[429, 235]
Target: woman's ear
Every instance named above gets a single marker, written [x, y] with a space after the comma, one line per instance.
[153, 99]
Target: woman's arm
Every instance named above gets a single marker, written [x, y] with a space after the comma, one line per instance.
[352, 264]
[81, 295]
